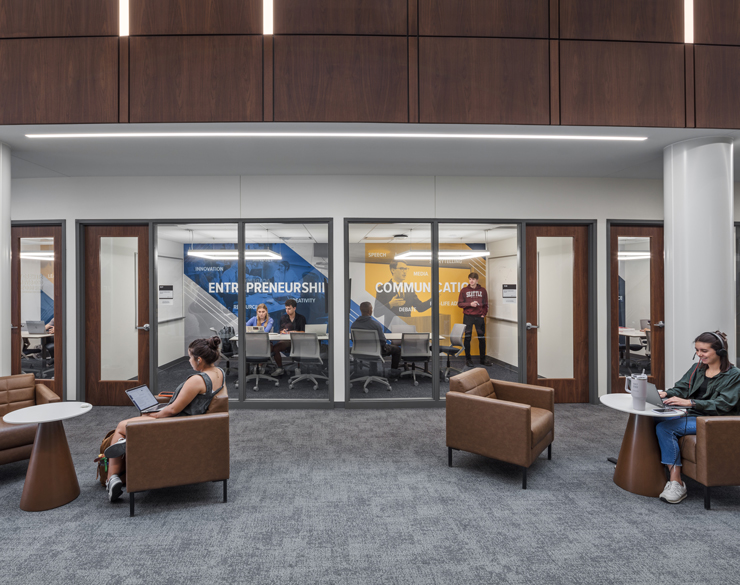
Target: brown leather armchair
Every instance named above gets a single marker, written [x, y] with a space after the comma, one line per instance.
[176, 451]
[16, 392]
[712, 456]
[501, 420]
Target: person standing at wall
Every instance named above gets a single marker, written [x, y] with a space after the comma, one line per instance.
[473, 300]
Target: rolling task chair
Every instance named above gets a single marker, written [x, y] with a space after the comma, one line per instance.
[366, 348]
[454, 349]
[305, 348]
[258, 351]
[415, 348]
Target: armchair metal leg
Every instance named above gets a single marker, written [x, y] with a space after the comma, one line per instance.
[524, 478]
[225, 490]
[707, 497]
[549, 451]
[449, 456]
[131, 505]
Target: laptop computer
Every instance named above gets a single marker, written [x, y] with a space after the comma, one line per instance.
[36, 327]
[652, 395]
[318, 329]
[256, 329]
[144, 400]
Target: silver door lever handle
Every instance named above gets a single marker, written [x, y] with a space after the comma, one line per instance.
[530, 326]
[660, 324]
[145, 327]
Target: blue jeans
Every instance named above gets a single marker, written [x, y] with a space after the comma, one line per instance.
[668, 431]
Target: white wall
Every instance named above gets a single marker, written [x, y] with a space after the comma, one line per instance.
[489, 199]
[502, 337]
[171, 334]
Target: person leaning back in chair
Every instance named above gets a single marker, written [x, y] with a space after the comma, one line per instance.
[192, 397]
[710, 388]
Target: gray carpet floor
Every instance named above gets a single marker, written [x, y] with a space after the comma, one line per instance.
[366, 497]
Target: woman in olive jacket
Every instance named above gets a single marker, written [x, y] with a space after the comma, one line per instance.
[710, 388]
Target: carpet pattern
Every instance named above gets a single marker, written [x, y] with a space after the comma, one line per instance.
[366, 497]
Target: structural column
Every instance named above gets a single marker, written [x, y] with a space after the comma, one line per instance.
[699, 247]
[4, 260]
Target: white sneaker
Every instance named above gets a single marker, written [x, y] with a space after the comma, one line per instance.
[114, 485]
[675, 494]
[116, 450]
[278, 372]
[665, 489]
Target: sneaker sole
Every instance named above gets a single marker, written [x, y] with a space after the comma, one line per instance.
[667, 501]
[116, 492]
[115, 451]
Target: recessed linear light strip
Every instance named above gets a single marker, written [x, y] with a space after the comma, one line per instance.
[688, 21]
[443, 255]
[234, 254]
[342, 135]
[123, 18]
[267, 17]
[49, 256]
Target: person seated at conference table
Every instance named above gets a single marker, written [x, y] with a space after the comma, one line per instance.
[192, 397]
[289, 322]
[262, 319]
[366, 322]
[710, 388]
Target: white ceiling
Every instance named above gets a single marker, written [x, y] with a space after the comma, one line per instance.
[259, 233]
[342, 156]
[420, 233]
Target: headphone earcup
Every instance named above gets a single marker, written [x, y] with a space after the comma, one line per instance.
[722, 352]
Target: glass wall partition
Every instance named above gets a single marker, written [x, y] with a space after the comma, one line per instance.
[390, 279]
[478, 300]
[286, 344]
[197, 297]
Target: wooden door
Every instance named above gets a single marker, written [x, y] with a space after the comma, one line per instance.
[37, 295]
[116, 312]
[557, 310]
[636, 265]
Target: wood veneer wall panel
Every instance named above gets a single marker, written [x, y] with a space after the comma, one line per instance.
[484, 18]
[554, 83]
[195, 17]
[622, 20]
[484, 81]
[196, 79]
[414, 79]
[622, 84]
[690, 86]
[123, 79]
[267, 77]
[340, 17]
[58, 18]
[341, 79]
[59, 81]
[717, 22]
[717, 74]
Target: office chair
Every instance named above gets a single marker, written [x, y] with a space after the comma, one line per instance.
[305, 349]
[258, 351]
[415, 348]
[454, 349]
[644, 323]
[399, 326]
[366, 348]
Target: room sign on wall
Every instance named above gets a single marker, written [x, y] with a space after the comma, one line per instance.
[166, 294]
[508, 292]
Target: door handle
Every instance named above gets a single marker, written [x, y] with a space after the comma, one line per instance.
[144, 328]
[14, 327]
[660, 324]
[530, 326]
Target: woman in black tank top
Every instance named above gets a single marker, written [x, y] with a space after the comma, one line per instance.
[192, 397]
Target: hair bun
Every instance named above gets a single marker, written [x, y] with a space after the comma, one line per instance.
[214, 342]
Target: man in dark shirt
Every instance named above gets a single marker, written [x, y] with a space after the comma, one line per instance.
[473, 300]
[367, 322]
[291, 321]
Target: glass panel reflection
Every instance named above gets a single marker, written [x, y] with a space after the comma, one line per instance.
[119, 339]
[555, 259]
[391, 293]
[634, 305]
[37, 307]
[485, 335]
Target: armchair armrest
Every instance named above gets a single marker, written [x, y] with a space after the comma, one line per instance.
[177, 451]
[718, 450]
[489, 427]
[537, 396]
[44, 395]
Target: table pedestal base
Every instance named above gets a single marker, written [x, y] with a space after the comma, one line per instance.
[639, 469]
[51, 480]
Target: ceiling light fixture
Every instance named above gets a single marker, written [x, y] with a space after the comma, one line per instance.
[633, 255]
[398, 135]
[48, 256]
[688, 21]
[122, 18]
[234, 254]
[443, 254]
[266, 17]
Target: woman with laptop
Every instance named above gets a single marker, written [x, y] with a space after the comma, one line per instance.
[192, 397]
[709, 388]
[262, 319]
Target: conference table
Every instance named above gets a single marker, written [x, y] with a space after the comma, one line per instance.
[282, 337]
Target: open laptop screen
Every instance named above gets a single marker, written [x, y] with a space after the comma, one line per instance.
[142, 397]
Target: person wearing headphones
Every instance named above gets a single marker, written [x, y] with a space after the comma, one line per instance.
[710, 388]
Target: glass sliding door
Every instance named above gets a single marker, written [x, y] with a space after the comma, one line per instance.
[390, 278]
[286, 344]
[478, 300]
[197, 297]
